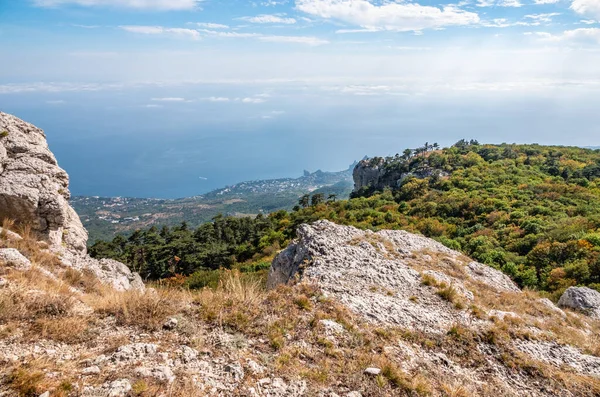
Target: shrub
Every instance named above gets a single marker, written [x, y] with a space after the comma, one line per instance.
[448, 293]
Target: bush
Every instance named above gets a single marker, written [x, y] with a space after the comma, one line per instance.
[204, 278]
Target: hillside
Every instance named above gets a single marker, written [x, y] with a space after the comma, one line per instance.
[341, 312]
[104, 217]
[532, 211]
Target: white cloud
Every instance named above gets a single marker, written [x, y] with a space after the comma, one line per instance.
[160, 30]
[153, 106]
[163, 5]
[309, 40]
[269, 19]
[273, 3]
[540, 2]
[588, 22]
[587, 7]
[252, 100]
[583, 35]
[387, 16]
[169, 99]
[228, 34]
[210, 25]
[217, 99]
[499, 3]
[545, 18]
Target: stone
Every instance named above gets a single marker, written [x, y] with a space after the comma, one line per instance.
[187, 355]
[255, 368]
[93, 370]
[118, 388]
[331, 327]
[354, 394]
[134, 351]
[236, 371]
[379, 275]
[372, 371]
[584, 299]
[501, 315]
[45, 394]
[161, 373]
[3, 282]
[14, 258]
[170, 324]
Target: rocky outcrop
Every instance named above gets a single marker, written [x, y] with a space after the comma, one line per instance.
[34, 191]
[385, 276]
[377, 174]
[582, 299]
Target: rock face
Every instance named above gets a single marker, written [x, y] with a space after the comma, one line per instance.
[34, 191]
[385, 276]
[583, 299]
[374, 173]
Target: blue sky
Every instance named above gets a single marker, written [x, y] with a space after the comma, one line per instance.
[144, 97]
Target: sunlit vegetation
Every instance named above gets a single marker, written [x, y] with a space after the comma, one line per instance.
[532, 211]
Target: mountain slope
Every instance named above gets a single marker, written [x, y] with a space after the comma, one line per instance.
[106, 217]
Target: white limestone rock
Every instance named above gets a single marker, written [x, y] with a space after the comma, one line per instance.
[34, 190]
[582, 299]
[379, 275]
[14, 258]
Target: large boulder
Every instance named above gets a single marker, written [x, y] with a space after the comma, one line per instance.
[34, 190]
[582, 299]
[385, 276]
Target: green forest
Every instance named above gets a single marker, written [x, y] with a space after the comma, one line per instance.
[532, 211]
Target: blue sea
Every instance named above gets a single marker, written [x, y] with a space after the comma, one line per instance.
[170, 142]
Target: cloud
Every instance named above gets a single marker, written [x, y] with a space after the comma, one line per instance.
[387, 16]
[588, 22]
[540, 2]
[215, 33]
[587, 7]
[162, 5]
[169, 99]
[210, 25]
[582, 35]
[537, 19]
[309, 40]
[217, 99]
[252, 100]
[160, 30]
[56, 102]
[273, 3]
[269, 19]
[499, 3]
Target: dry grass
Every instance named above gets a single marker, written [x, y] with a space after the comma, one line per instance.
[147, 310]
[23, 304]
[30, 379]
[70, 330]
[30, 245]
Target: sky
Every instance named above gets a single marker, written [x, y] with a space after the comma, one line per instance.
[173, 98]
